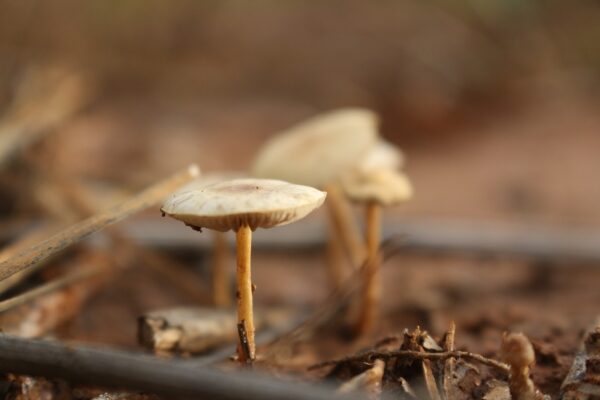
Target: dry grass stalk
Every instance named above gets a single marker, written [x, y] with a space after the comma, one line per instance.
[430, 383]
[24, 242]
[449, 365]
[149, 197]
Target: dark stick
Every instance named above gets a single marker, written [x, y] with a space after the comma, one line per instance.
[117, 369]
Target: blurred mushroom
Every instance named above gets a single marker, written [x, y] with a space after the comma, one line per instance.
[221, 284]
[317, 152]
[384, 155]
[374, 188]
[242, 205]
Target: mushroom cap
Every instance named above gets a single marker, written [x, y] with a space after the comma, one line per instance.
[318, 151]
[517, 350]
[384, 186]
[257, 203]
[383, 155]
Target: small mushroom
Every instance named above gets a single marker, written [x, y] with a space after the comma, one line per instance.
[242, 205]
[518, 352]
[317, 153]
[375, 189]
[383, 155]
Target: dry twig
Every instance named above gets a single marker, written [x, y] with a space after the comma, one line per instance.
[369, 356]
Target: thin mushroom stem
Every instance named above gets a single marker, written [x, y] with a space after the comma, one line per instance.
[335, 257]
[244, 290]
[220, 271]
[345, 225]
[371, 290]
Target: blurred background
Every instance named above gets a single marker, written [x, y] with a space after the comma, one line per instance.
[494, 102]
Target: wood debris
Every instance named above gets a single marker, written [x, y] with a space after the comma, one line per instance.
[196, 329]
[417, 367]
[369, 381]
[583, 380]
[495, 389]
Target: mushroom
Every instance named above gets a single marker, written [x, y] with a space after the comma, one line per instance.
[221, 284]
[242, 205]
[375, 189]
[316, 153]
[383, 155]
[518, 352]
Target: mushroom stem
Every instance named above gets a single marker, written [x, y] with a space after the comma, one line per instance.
[371, 291]
[345, 225]
[220, 272]
[244, 289]
[335, 259]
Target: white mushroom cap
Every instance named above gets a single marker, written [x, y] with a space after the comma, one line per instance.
[383, 155]
[383, 186]
[316, 152]
[258, 203]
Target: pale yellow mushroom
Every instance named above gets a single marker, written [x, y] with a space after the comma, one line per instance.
[375, 189]
[242, 205]
[383, 155]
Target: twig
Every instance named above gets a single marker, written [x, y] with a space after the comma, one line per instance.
[420, 355]
[175, 379]
[78, 231]
[26, 240]
[449, 365]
